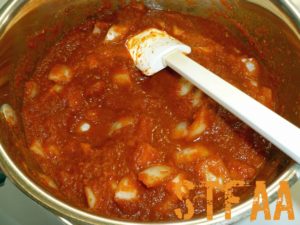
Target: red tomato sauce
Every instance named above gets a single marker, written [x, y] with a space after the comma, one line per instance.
[113, 142]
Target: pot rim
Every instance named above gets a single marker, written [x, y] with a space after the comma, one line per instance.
[26, 185]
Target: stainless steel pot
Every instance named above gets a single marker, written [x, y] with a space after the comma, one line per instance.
[278, 45]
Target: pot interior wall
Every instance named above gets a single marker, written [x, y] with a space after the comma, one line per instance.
[39, 24]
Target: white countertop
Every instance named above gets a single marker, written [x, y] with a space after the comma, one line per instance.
[17, 209]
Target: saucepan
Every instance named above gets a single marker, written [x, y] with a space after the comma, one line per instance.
[272, 26]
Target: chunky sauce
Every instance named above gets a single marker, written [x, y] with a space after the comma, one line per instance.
[114, 142]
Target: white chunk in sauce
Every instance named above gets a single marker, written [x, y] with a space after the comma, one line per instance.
[9, 114]
[37, 148]
[180, 131]
[60, 74]
[48, 181]
[212, 177]
[198, 126]
[97, 29]
[250, 64]
[126, 190]
[184, 87]
[180, 187]
[90, 197]
[155, 175]
[197, 98]
[84, 127]
[214, 169]
[191, 154]
[251, 70]
[120, 124]
[115, 33]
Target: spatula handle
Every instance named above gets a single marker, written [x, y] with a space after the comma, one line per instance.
[270, 125]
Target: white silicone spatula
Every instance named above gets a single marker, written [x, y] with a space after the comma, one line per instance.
[154, 50]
